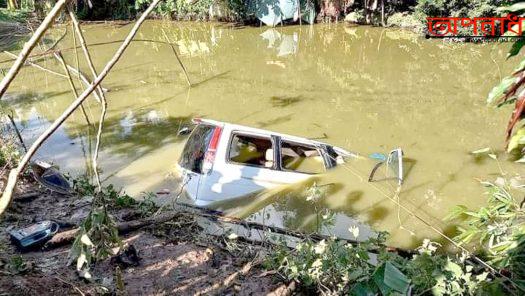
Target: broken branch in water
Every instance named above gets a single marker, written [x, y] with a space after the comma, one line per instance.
[14, 173]
[28, 47]
[71, 84]
[10, 116]
[177, 56]
[37, 66]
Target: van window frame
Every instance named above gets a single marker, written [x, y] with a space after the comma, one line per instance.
[272, 138]
[319, 149]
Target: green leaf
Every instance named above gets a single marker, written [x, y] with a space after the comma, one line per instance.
[499, 91]
[517, 139]
[454, 268]
[514, 50]
[513, 8]
[388, 278]
[361, 289]
[395, 279]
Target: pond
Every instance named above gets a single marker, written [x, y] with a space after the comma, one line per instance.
[361, 88]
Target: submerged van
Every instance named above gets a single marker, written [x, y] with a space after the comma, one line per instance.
[223, 161]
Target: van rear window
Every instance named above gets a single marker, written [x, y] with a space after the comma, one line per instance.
[195, 149]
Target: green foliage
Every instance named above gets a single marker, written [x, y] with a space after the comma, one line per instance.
[517, 144]
[335, 267]
[19, 15]
[178, 9]
[147, 206]
[499, 227]
[509, 90]
[97, 237]
[9, 152]
[457, 8]
[403, 20]
[16, 265]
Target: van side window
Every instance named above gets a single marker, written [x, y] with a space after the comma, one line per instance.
[251, 150]
[301, 158]
[195, 149]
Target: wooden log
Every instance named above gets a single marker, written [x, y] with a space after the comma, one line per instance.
[14, 173]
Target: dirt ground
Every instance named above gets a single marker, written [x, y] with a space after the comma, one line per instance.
[176, 258]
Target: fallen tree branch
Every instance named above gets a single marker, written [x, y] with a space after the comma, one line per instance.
[28, 47]
[68, 236]
[13, 175]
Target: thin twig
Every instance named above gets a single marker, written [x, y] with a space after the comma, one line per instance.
[177, 56]
[10, 116]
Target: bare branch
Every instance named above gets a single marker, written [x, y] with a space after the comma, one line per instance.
[13, 175]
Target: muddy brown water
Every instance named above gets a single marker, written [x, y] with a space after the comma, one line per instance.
[362, 88]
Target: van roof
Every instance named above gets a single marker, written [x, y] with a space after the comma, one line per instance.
[260, 131]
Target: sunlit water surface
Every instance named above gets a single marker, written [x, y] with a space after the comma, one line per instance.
[365, 89]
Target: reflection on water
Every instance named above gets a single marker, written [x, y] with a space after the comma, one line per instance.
[364, 89]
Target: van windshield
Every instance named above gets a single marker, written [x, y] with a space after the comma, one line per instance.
[195, 149]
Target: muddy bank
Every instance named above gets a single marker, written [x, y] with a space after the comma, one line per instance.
[176, 257]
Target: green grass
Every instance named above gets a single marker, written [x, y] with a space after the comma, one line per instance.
[7, 15]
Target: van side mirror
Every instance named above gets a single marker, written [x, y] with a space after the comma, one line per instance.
[394, 167]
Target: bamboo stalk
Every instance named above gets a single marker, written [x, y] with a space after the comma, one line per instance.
[177, 56]
[72, 85]
[13, 175]
[84, 47]
[28, 47]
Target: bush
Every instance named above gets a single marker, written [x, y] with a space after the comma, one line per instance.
[403, 20]
[335, 267]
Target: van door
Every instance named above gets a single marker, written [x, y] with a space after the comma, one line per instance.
[192, 158]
